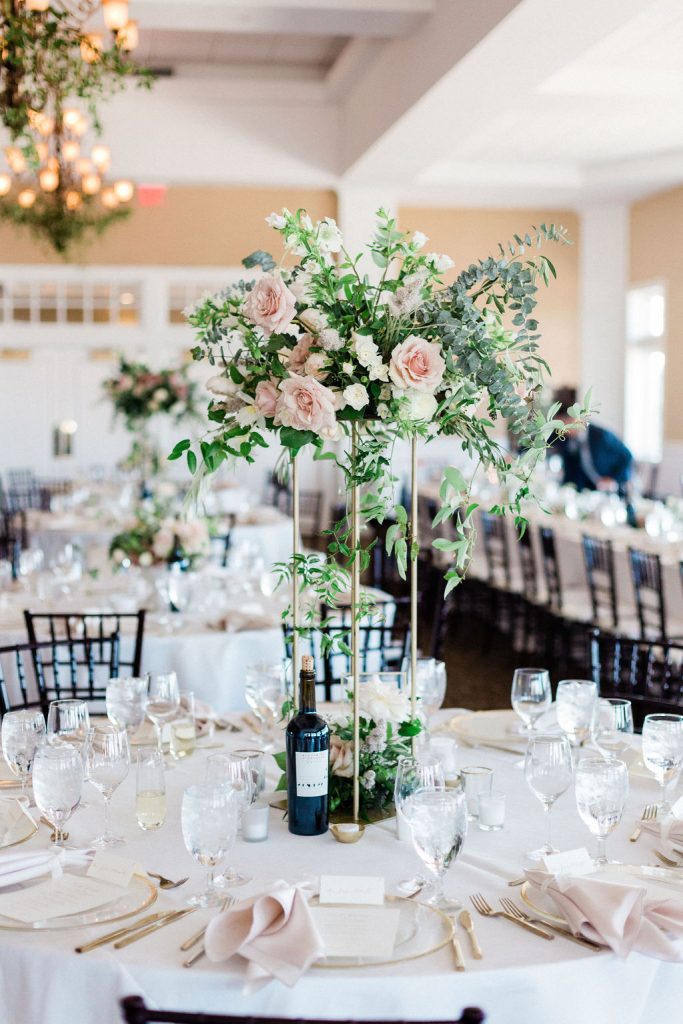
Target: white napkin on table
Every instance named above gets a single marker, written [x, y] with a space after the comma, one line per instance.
[19, 866]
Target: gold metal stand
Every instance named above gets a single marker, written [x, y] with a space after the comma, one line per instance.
[295, 583]
[414, 552]
[355, 631]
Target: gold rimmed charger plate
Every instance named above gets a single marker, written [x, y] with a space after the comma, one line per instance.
[422, 930]
[23, 834]
[139, 895]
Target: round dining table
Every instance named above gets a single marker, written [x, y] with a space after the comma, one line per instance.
[521, 977]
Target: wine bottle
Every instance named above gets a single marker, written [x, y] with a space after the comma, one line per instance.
[308, 761]
[177, 559]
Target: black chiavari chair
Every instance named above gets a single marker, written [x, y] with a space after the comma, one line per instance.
[86, 650]
[136, 1012]
[649, 673]
[13, 537]
[646, 573]
[598, 556]
[497, 552]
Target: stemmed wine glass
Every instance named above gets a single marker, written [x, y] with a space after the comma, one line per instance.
[265, 692]
[69, 721]
[612, 726]
[430, 685]
[663, 750]
[601, 794]
[125, 697]
[236, 773]
[548, 771]
[107, 760]
[413, 773]
[209, 819]
[438, 820]
[162, 701]
[531, 696]
[575, 699]
[22, 733]
[57, 784]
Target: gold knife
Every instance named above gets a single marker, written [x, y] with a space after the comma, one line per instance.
[120, 932]
[526, 924]
[459, 959]
[194, 958]
[177, 916]
[465, 919]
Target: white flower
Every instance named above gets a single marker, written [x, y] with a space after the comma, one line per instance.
[421, 405]
[404, 300]
[220, 385]
[366, 351]
[385, 393]
[160, 395]
[145, 559]
[349, 369]
[330, 339]
[367, 779]
[439, 261]
[356, 396]
[419, 240]
[248, 415]
[329, 235]
[383, 702]
[383, 410]
[118, 555]
[300, 286]
[306, 222]
[231, 342]
[379, 371]
[277, 221]
[314, 319]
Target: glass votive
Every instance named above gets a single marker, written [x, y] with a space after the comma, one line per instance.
[478, 781]
[150, 793]
[255, 823]
[491, 811]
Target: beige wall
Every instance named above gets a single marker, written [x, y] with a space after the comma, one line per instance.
[195, 227]
[470, 234]
[657, 255]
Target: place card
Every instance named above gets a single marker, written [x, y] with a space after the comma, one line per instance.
[108, 867]
[361, 889]
[68, 894]
[357, 932]
[570, 862]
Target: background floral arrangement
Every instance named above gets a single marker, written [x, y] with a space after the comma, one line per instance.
[386, 731]
[154, 536]
[138, 393]
[307, 352]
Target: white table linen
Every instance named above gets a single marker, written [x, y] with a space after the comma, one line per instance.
[521, 978]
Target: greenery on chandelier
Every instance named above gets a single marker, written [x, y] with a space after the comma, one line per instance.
[50, 218]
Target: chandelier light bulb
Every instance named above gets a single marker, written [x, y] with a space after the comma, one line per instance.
[73, 200]
[109, 198]
[5, 184]
[101, 156]
[124, 190]
[26, 198]
[53, 163]
[71, 150]
[71, 118]
[37, 5]
[115, 14]
[16, 159]
[90, 183]
[83, 166]
[128, 37]
[49, 180]
[92, 45]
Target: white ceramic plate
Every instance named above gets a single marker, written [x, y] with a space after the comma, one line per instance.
[495, 727]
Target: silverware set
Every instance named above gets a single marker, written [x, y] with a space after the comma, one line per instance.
[544, 929]
[464, 919]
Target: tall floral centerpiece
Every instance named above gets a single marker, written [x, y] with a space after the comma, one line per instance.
[317, 355]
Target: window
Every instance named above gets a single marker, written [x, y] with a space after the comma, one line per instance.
[644, 372]
[72, 302]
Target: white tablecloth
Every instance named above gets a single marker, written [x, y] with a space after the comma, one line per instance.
[521, 978]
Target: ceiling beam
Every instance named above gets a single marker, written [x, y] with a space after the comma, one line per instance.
[373, 18]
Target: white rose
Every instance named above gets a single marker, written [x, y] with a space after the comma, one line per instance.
[330, 339]
[383, 410]
[314, 319]
[160, 395]
[329, 235]
[366, 351]
[349, 369]
[145, 559]
[383, 702]
[379, 371]
[277, 221]
[439, 261]
[419, 240]
[421, 405]
[356, 396]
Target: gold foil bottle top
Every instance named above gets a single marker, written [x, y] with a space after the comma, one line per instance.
[307, 663]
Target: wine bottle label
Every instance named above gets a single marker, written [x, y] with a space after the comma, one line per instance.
[311, 772]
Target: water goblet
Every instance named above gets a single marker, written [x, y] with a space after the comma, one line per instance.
[57, 784]
[601, 793]
[68, 720]
[548, 771]
[413, 773]
[107, 759]
[162, 701]
[438, 822]
[235, 772]
[125, 699]
[530, 696]
[575, 699]
[663, 750]
[209, 822]
[22, 733]
[612, 726]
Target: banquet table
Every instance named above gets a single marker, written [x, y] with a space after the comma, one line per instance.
[520, 978]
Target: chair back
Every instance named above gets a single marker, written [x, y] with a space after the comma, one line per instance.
[646, 573]
[22, 676]
[598, 556]
[551, 569]
[85, 650]
[649, 673]
[528, 562]
[496, 551]
[135, 1012]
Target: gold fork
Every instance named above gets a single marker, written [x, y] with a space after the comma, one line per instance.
[649, 814]
[484, 908]
[194, 939]
[566, 933]
[668, 861]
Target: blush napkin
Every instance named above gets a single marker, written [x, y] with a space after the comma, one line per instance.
[275, 932]
[21, 867]
[616, 915]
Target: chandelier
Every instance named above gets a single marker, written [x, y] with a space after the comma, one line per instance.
[48, 59]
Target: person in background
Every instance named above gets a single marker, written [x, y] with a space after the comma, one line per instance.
[593, 457]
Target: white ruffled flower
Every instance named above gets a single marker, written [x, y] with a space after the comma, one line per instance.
[248, 415]
[367, 779]
[314, 319]
[439, 261]
[366, 351]
[329, 235]
[421, 405]
[419, 240]
[349, 369]
[379, 371]
[383, 411]
[330, 339]
[277, 221]
[383, 702]
[356, 396]
[220, 385]
[301, 286]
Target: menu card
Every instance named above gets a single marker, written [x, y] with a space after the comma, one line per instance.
[363, 926]
[57, 897]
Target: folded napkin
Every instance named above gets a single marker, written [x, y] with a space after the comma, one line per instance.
[275, 932]
[13, 810]
[616, 915]
[21, 867]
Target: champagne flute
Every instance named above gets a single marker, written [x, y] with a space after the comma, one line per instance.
[548, 772]
[107, 759]
[57, 784]
[612, 726]
[663, 750]
[236, 773]
[438, 821]
[162, 701]
[531, 696]
[575, 699]
[209, 818]
[601, 793]
[22, 733]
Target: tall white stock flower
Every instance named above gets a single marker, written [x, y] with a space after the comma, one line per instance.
[329, 235]
[277, 221]
[383, 702]
[356, 396]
